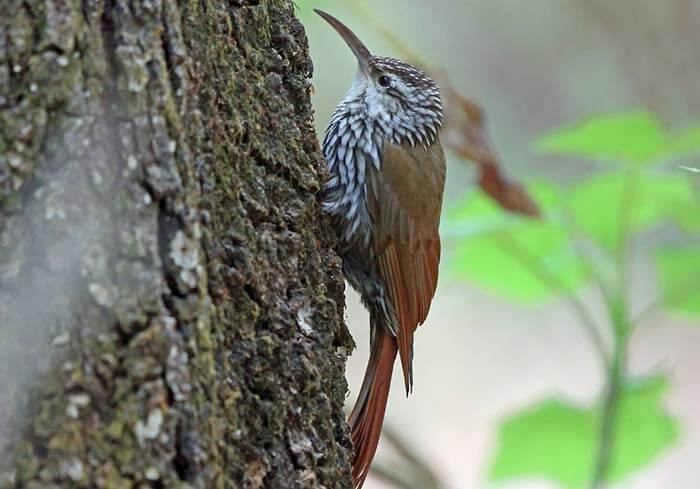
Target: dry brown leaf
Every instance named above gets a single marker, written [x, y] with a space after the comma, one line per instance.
[465, 134]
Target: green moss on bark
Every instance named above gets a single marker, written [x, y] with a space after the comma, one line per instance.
[184, 326]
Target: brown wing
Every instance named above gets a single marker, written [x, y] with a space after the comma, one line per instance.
[404, 198]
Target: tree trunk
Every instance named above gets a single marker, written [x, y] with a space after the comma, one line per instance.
[170, 304]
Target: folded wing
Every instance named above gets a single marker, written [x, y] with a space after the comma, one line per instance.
[404, 200]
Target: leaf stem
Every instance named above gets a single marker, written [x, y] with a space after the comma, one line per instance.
[551, 280]
[615, 385]
[413, 473]
[618, 312]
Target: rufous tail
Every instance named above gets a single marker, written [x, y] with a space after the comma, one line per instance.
[367, 415]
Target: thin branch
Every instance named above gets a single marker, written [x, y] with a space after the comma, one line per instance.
[606, 439]
[381, 471]
[415, 473]
[615, 384]
[623, 253]
[402, 448]
[575, 236]
[619, 318]
[554, 283]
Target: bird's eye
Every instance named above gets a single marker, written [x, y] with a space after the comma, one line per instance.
[384, 81]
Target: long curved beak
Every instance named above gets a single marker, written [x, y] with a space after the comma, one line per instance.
[358, 48]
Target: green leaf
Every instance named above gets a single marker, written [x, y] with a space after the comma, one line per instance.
[634, 137]
[679, 278]
[557, 441]
[644, 429]
[510, 262]
[507, 254]
[551, 440]
[650, 199]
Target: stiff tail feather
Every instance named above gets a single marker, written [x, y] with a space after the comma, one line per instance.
[367, 415]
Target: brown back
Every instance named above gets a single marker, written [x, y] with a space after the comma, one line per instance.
[404, 200]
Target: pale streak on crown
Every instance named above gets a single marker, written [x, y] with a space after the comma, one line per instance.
[360, 126]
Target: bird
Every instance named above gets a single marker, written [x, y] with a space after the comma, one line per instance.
[384, 195]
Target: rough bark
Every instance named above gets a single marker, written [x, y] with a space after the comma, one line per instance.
[170, 304]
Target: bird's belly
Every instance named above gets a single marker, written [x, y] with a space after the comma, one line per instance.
[359, 265]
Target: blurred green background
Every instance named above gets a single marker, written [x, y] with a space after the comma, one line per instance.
[561, 351]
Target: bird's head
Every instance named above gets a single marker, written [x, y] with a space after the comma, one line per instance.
[389, 90]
